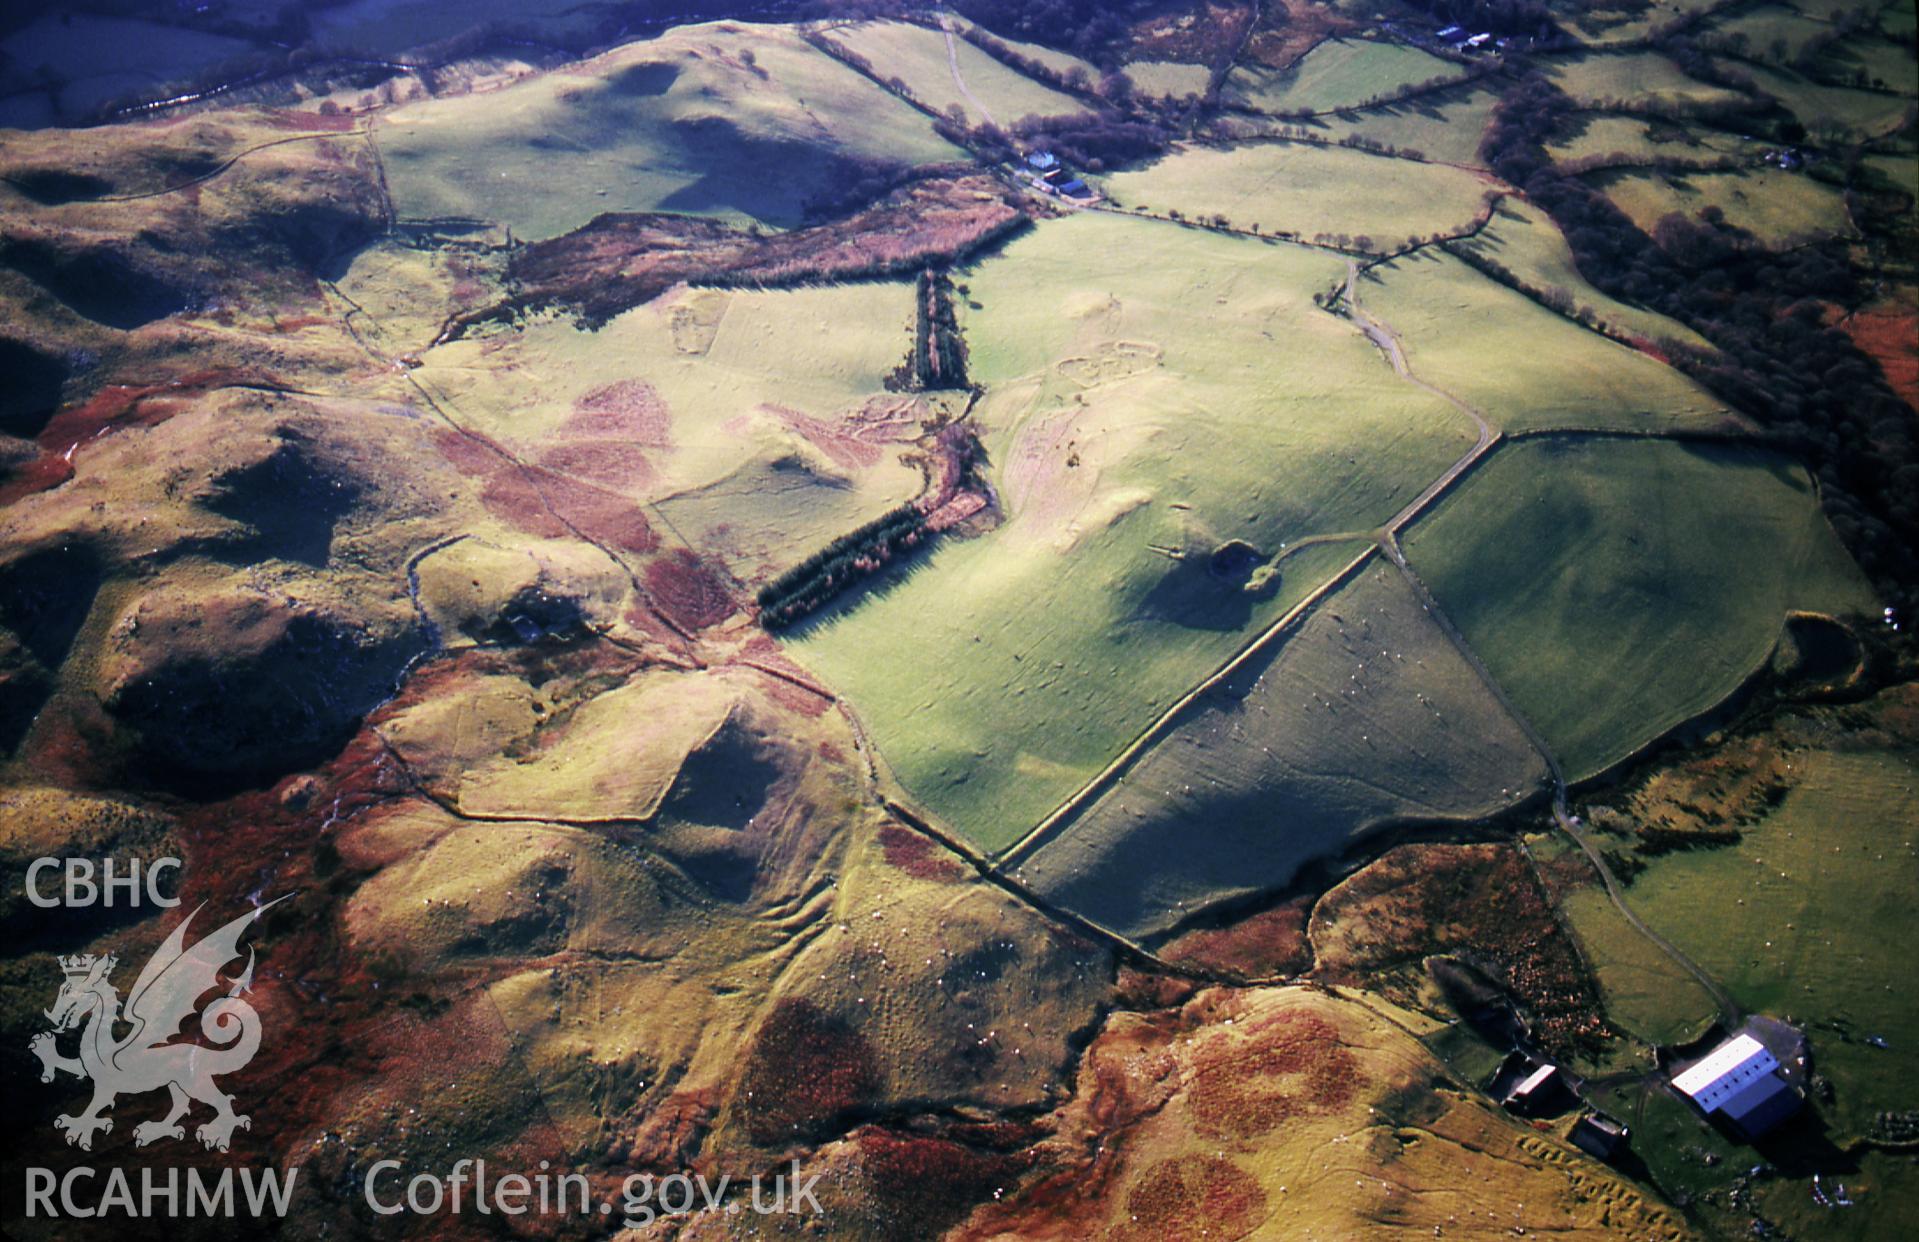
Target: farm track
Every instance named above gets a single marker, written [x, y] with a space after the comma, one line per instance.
[959, 79]
[1386, 541]
[1383, 336]
[1064, 814]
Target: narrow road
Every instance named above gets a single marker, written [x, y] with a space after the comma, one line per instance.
[1382, 335]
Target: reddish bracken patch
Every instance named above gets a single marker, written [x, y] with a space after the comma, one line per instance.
[1259, 946]
[1483, 902]
[555, 506]
[1192, 1197]
[470, 453]
[671, 1135]
[324, 122]
[1150, 989]
[601, 461]
[916, 855]
[806, 1067]
[923, 1183]
[1892, 339]
[113, 408]
[688, 591]
[1650, 348]
[628, 410]
[845, 450]
[1248, 1082]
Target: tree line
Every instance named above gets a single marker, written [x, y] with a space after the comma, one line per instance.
[939, 351]
[1780, 360]
[813, 582]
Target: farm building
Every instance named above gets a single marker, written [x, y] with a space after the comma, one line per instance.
[1599, 1136]
[1739, 1080]
[1075, 188]
[1532, 1087]
[1542, 1091]
[1042, 161]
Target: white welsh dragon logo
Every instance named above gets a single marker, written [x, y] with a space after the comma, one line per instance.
[165, 995]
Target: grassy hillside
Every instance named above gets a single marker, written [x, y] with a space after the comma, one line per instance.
[1639, 77]
[918, 57]
[1618, 588]
[1339, 73]
[1604, 135]
[1524, 366]
[1306, 190]
[1793, 919]
[1525, 241]
[1365, 714]
[742, 122]
[1444, 126]
[757, 421]
[1840, 112]
[1778, 207]
[1167, 78]
[1152, 392]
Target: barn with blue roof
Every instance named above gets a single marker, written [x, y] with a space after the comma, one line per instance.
[1739, 1081]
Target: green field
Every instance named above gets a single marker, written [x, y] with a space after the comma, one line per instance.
[1832, 113]
[1793, 921]
[1793, 918]
[1366, 714]
[1524, 366]
[730, 120]
[1306, 190]
[1595, 79]
[1524, 240]
[917, 56]
[1779, 208]
[1899, 21]
[1167, 78]
[1618, 588]
[1601, 26]
[1445, 125]
[1336, 74]
[1152, 392]
[1889, 63]
[1052, 58]
[774, 432]
[1604, 135]
[1770, 30]
[1647, 994]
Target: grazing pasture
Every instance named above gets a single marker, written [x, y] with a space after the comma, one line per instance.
[1306, 190]
[1779, 208]
[918, 56]
[1618, 588]
[1524, 366]
[1524, 240]
[1364, 715]
[1596, 79]
[1152, 393]
[744, 123]
[1339, 73]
